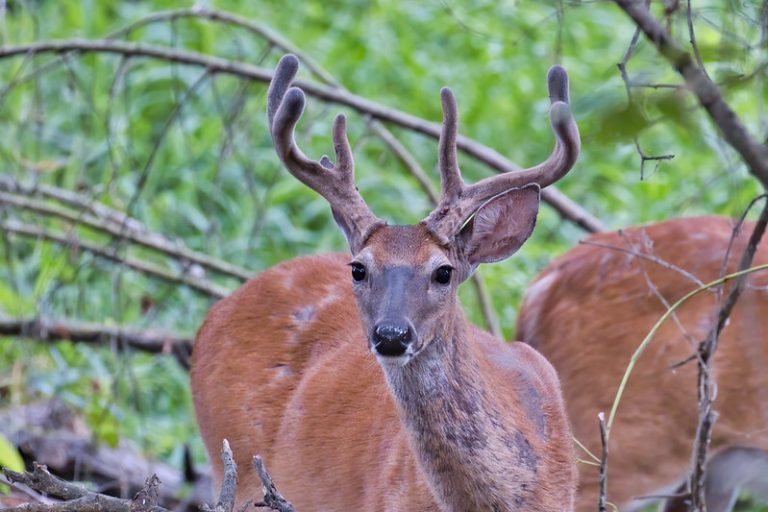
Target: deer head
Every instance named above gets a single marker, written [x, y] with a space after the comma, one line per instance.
[405, 277]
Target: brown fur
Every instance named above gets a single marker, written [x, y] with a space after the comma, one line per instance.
[282, 368]
[590, 309]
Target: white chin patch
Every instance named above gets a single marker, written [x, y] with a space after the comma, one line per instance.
[392, 360]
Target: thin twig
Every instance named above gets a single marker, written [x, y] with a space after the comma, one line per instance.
[272, 497]
[603, 462]
[692, 38]
[77, 498]
[649, 257]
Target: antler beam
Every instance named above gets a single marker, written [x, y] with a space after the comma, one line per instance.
[460, 200]
[335, 182]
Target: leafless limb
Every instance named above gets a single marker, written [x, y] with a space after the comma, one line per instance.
[650, 257]
[692, 38]
[77, 498]
[603, 462]
[228, 491]
[272, 497]
[754, 154]
[625, 60]
[194, 283]
[214, 65]
[644, 158]
[146, 341]
[628, 87]
[155, 241]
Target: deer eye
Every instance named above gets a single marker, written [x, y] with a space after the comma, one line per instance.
[443, 274]
[358, 271]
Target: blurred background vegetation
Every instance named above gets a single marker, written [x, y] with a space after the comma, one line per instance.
[186, 153]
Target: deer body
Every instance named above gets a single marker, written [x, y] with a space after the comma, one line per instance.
[310, 399]
[587, 313]
[372, 391]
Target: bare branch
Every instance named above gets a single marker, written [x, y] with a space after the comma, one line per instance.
[603, 462]
[77, 498]
[71, 199]
[195, 283]
[272, 497]
[144, 238]
[228, 490]
[147, 341]
[568, 209]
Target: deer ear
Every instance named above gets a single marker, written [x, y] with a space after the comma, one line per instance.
[501, 226]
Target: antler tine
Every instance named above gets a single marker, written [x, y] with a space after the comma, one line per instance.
[445, 223]
[335, 182]
[450, 175]
[563, 156]
[284, 74]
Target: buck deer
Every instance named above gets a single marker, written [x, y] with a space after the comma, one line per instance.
[451, 418]
[591, 308]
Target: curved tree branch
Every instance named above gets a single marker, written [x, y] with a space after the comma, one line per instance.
[148, 341]
[195, 283]
[490, 157]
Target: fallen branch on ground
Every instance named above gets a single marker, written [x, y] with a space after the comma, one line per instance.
[79, 499]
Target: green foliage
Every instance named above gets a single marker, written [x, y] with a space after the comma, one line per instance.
[188, 155]
[10, 459]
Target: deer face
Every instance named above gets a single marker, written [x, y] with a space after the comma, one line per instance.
[406, 282]
[405, 285]
[405, 277]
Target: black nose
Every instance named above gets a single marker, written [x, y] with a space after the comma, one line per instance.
[391, 338]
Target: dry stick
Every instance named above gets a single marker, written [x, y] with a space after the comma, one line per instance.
[77, 498]
[567, 208]
[272, 497]
[625, 78]
[149, 240]
[706, 351]
[195, 283]
[148, 341]
[649, 257]
[603, 462]
[226, 502]
[754, 154]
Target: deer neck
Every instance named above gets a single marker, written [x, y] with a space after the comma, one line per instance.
[474, 457]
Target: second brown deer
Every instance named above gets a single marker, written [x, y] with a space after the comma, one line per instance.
[589, 310]
[371, 391]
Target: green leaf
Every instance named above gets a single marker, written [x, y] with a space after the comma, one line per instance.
[10, 459]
